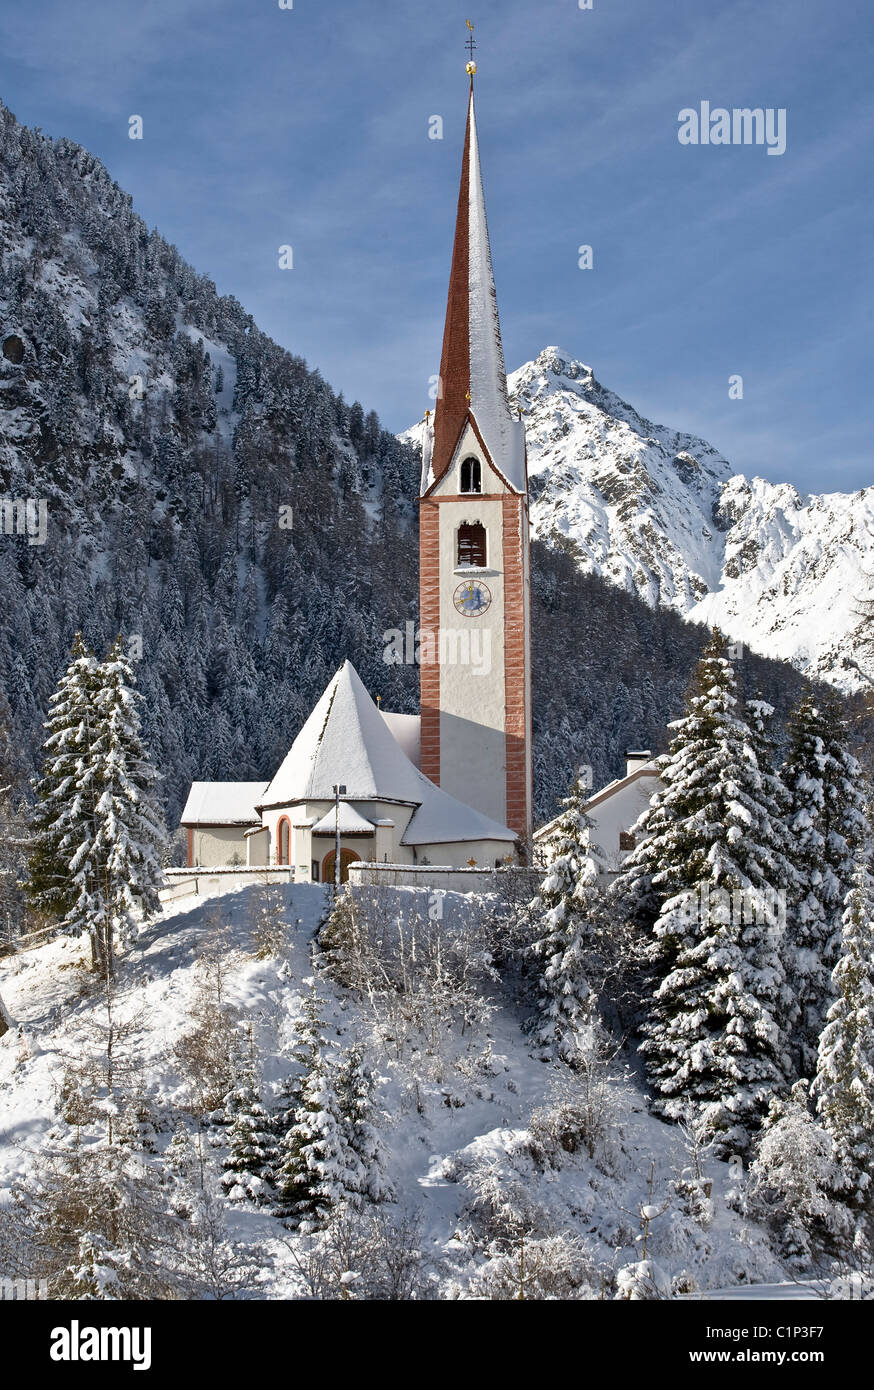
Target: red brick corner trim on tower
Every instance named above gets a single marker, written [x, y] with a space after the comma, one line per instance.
[516, 714]
[429, 621]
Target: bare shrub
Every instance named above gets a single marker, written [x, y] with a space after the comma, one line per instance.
[92, 1223]
[582, 1116]
[208, 1264]
[558, 1266]
[269, 921]
[207, 1052]
[367, 1255]
[425, 974]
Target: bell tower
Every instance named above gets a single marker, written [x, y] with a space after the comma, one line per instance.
[474, 577]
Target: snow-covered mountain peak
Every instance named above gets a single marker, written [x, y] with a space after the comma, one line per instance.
[663, 514]
[636, 497]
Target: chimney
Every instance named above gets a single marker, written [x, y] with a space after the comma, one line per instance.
[636, 758]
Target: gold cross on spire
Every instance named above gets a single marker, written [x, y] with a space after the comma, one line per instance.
[470, 45]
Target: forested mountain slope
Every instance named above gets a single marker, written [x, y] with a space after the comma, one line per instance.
[169, 437]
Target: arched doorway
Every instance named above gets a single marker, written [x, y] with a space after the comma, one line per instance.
[347, 857]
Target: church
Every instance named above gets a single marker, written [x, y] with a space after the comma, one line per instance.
[453, 785]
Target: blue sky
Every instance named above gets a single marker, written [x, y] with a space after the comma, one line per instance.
[309, 127]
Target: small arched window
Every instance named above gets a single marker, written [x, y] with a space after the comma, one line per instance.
[471, 475]
[282, 837]
[472, 544]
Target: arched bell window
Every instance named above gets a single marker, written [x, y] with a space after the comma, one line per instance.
[472, 544]
[471, 475]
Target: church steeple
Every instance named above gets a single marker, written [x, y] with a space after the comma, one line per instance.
[473, 379]
[474, 571]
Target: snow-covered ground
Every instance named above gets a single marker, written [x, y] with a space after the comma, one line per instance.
[444, 1126]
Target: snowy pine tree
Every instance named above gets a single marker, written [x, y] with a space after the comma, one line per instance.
[776, 802]
[713, 862]
[844, 1082]
[248, 1166]
[355, 1094]
[181, 1155]
[564, 914]
[316, 1167]
[827, 825]
[64, 811]
[130, 826]
[98, 826]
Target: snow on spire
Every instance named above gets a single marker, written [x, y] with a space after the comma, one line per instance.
[472, 373]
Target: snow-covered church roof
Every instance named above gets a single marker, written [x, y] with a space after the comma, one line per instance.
[223, 803]
[346, 741]
[472, 372]
[344, 818]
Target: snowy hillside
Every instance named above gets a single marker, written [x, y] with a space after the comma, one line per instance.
[662, 515]
[461, 1151]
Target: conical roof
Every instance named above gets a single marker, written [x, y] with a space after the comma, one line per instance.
[346, 741]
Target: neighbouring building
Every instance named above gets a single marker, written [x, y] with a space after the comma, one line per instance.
[614, 810]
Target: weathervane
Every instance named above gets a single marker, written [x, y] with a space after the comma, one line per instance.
[470, 45]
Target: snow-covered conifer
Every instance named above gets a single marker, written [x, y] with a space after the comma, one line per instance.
[827, 825]
[355, 1093]
[248, 1166]
[712, 1041]
[777, 836]
[98, 827]
[181, 1154]
[129, 822]
[316, 1168]
[844, 1083]
[64, 813]
[564, 914]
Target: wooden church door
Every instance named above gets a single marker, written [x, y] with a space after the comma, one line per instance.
[347, 857]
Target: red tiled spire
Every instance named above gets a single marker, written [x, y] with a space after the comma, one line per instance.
[473, 382]
[453, 402]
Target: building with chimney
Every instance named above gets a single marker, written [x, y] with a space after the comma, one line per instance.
[613, 811]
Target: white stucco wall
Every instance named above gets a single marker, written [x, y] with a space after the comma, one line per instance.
[216, 845]
[305, 847]
[457, 880]
[619, 813]
[472, 694]
[450, 484]
[484, 852]
[257, 847]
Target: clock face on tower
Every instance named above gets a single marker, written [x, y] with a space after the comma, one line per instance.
[471, 598]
